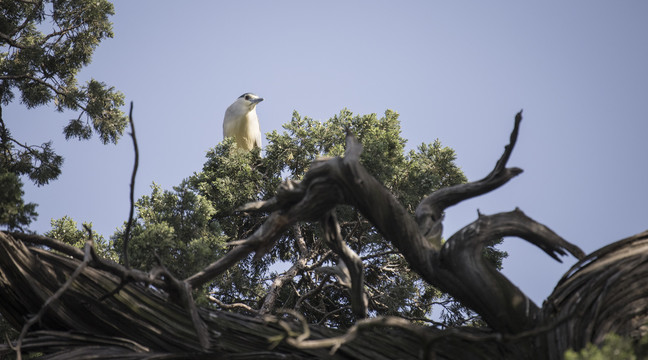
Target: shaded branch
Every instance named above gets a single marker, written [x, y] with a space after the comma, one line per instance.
[351, 261]
[132, 189]
[297, 268]
[477, 284]
[429, 213]
[346, 181]
[225, 306]
[604, 292]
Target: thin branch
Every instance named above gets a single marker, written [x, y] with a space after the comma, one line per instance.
[260, 241]
[310, 293]
[132, 188]
[51, 243]
[225, 306]
[297, 268]
[350, 259]
[42, 82]
[330, 313]
[98, 262]
[335, 343]
[429, 213]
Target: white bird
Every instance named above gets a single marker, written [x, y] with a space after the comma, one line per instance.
[242, 123]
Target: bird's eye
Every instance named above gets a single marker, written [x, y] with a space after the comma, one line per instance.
[247, 97]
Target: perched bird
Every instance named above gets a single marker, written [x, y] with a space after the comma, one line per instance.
[242, 123]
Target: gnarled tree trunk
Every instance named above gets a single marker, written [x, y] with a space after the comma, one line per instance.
[71, 303]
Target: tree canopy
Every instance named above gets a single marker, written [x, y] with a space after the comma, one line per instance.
[188, 227]
[40, 67]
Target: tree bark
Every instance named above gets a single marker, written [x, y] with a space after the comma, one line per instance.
[105, 309]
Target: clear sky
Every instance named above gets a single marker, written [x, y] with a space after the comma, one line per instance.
[456, 71]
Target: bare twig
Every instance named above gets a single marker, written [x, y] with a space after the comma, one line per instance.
[296, 269]
[132, 189]
[223, 305]
[429, 213]
[315, 291]
[334, 343]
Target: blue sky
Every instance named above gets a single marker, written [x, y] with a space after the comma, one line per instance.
[456, 71]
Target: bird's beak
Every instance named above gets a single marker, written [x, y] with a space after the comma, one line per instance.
[256, 101]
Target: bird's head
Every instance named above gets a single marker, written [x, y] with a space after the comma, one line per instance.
[249, 100]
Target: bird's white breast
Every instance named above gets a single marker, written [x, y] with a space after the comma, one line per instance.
[243, 126]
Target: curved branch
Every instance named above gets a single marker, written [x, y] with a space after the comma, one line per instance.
[297, 268]
[429, 213]
[604, 292]
[263, 238]
[459, 262]
[129, 223]
[477, 284]
[351, 261]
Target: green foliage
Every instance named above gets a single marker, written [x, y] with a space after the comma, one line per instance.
[39, 163]
[231, 178]
[172, 227]
[14, 213]
[613, 347]
[41, 68]
[66, 230]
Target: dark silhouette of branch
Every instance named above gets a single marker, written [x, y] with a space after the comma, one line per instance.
[297, 268]
[351, 262]
[132, 188]
[429, 213]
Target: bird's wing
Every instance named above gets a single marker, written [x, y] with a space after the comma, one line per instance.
[255, 130]
[257, 141]
[228, 123]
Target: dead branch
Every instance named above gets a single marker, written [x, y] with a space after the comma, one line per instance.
[473, 279]
[346, 181]
[604, 292]
[351, 261]
[297, 268]
[132, 189]
[429, 213]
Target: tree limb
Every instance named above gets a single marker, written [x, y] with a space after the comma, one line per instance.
[346, 181]
[350, 259]
[298, 267]
[132, 189]
[429, 213]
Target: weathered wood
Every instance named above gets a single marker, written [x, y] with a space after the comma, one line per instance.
[146, 316]
[607, 291]
[141, 323]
